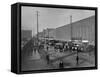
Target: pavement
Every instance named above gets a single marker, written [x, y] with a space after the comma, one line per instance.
[35, 56]
[69, 59]
[36, 63]
[38, 60]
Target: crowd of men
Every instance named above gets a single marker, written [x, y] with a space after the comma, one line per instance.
[58, 46]
[64, 46]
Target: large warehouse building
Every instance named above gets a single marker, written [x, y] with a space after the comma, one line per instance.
[81, 30]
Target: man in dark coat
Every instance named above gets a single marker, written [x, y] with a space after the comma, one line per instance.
[77, 60]
[61, 65]
[47, 58]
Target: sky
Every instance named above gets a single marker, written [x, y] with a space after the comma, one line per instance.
[50, 17]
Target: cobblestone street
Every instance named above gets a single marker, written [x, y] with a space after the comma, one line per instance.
[38, 60]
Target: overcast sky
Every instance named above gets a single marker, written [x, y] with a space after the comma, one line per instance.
[50, 17]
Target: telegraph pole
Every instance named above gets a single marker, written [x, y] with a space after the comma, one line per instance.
[48, 33]
[37, 29]
[71, 25]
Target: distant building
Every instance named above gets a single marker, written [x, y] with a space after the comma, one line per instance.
[48, 33]
[26, 35]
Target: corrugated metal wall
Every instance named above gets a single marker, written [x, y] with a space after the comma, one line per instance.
[83, 29]
[63, 33]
